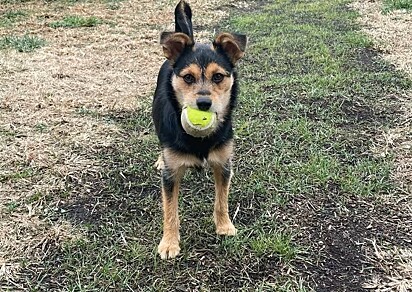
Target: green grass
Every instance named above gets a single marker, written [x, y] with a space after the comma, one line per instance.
[24, 44]
[314, 96]
[41, 127]
[76, 21]
[113, 4]
[12, 206]
[11, 16]
[13, 1]
[390, 5]
[278, 244]
[25, 172]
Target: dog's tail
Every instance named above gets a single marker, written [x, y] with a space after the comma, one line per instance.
[183, 19]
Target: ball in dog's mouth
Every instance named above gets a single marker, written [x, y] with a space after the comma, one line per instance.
[198, 123]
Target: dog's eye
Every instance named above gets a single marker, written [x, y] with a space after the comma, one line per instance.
[217, 78]
[189, 78]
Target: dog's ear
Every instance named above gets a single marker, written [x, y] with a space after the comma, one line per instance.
[174, 43]
[233, 45]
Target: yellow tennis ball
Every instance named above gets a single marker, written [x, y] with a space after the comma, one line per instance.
[199, 118]
[198, 123]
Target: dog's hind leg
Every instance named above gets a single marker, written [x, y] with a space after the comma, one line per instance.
[169, 245]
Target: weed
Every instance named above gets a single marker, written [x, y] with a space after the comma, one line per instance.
[76, 21]
[11, 16]
[41, 127]
[24, 173]
[12, 206]
[24, 44]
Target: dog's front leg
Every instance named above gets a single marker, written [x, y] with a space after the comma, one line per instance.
[169, 245]
[222, 174]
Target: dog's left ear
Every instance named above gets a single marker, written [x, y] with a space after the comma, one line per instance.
[233, 45]
[174, 44]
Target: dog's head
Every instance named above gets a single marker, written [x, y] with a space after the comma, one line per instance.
[203, 75]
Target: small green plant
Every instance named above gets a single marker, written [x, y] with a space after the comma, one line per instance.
[25, 44]
[10, 17]
[41, 127]
[113, 4]
[12, 206]
[76, 21]
[12, 176]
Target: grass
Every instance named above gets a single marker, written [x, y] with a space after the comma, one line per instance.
[390, 5]
[13, 1]
[278, 243]
[314, 97]
[24, 44]
[76, 21]
[11, 16]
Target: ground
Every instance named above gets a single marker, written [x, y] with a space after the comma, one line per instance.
[322, 188]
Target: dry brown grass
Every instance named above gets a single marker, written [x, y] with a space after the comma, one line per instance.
[111, 67]
[391, 34]
[396, 263]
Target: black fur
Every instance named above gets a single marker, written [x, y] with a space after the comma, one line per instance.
[183, 19]
[227, 172]
[166, 115]
[168, 181]
[166, 111]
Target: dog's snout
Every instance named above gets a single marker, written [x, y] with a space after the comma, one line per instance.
[204, 92]
[204, 103]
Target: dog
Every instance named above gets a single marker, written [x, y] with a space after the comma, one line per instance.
[202, 76]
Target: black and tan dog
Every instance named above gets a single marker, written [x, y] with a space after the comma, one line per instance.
[201, 76]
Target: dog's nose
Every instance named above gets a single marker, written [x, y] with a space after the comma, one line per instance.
[204, 103]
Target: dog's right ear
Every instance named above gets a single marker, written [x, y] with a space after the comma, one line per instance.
[174, 44]
[232, 44]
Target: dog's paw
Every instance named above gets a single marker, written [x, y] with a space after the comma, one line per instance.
[226, 229]
[160, 164]
[168, 249]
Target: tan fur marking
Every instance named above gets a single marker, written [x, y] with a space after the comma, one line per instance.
[221, 155]
[187, 94]
[169, 245]
[214, 68]
[174, 160]
[218, 160]
[220, 91]
[224, 225]
[192, 69]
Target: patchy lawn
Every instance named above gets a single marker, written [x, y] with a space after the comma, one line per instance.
[317, 195]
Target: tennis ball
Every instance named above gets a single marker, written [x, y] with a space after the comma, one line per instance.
[198, 123]
[199, 118]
